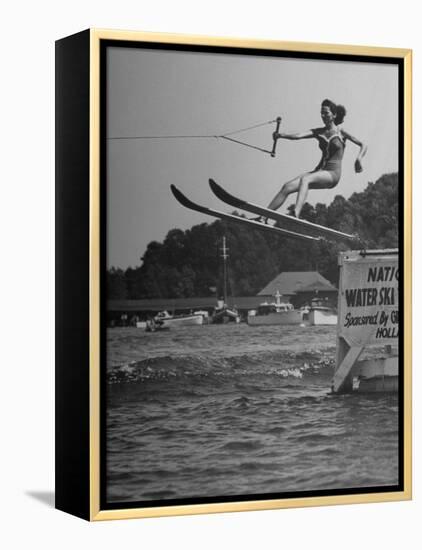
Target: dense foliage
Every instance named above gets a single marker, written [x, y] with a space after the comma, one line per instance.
[188, 263]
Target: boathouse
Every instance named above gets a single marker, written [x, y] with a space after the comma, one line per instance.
[300, 287]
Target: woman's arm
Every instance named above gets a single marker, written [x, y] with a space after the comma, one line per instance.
[362, 151]
[299, 135]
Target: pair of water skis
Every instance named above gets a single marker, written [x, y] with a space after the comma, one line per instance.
[287, 226]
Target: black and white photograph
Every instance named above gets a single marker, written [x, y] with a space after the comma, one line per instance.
[211, 299]
[251, 299]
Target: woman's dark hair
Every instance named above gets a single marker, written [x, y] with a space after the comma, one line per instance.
[338, 110]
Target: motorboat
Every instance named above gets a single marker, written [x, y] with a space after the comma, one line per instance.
[275, 313]
[166, 320]
[320, 313]
[224, 314]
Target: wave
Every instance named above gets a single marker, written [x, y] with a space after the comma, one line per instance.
[283, 364]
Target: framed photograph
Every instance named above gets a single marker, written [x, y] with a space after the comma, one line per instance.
[233, 274]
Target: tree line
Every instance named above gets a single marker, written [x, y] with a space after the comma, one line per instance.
[188, 263]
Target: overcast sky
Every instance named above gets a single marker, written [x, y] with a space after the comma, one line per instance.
[173, 93]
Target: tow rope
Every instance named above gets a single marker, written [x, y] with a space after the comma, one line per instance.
[225, 136]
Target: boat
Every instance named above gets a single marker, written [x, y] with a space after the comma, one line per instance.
[275, 313]
[152, 325]
[320, 313]
[166, 320]
[223, 314]
[205, 316]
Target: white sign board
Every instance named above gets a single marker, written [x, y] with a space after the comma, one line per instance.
[369, 301]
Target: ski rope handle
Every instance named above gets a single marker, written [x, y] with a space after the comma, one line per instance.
[278, 121]
[272, 152]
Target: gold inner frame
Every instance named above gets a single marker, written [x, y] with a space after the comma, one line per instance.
[96, 514]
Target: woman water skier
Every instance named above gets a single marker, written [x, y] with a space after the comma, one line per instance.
[331, 141]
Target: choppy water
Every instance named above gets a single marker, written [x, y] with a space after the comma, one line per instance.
[232, 410]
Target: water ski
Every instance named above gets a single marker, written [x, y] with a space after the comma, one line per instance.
[289, 223]
[187, 203]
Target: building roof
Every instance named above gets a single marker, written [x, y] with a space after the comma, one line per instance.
[292, 282]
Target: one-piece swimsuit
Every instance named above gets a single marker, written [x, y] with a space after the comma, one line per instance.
[332, 153]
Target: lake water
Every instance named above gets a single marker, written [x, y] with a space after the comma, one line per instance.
[232, 410]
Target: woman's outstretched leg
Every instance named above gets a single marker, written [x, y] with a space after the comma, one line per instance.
[314, 180]
[302, 194]
[288, 188]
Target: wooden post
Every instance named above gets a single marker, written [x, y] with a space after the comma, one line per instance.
[345, 355]
[346, 358]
